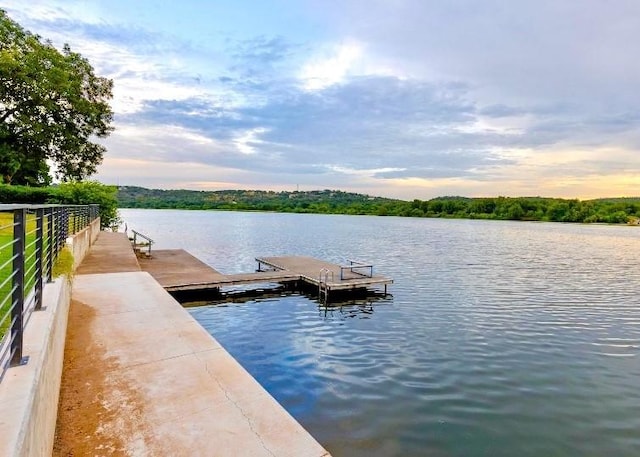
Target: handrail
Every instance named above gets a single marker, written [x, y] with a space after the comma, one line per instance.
[356, 264]
[146, 244]
[323, 279]
[31, 237]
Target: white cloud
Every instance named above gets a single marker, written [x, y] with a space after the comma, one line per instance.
[364, 172]
[247, 142]
[162, 143]
[330, 68]
[52, 10]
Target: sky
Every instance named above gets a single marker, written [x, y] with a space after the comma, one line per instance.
[395, 98]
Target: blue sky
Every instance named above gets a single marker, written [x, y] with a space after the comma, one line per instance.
[400, 98]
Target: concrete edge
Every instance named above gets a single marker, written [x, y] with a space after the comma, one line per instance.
[29, 394]
[81, 242]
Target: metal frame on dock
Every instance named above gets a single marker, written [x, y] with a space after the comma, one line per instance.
[324, 274]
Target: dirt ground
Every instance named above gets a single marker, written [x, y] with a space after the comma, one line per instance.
[86, 423]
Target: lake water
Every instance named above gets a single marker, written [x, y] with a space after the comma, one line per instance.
[499, 339]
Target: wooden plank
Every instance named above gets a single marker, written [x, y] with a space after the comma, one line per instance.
[238, 279]
[175, 267]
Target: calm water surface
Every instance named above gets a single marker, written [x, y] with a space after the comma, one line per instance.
[500, 339]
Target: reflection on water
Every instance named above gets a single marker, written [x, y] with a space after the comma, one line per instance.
[500, 338]
[359, 310]
[350, 305]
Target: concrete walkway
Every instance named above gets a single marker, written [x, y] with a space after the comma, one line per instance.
[111, 253]
[142, 377]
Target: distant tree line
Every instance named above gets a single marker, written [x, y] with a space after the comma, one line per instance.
[614, 211]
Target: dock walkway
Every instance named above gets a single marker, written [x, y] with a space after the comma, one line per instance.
[178, 271]
[142, 377]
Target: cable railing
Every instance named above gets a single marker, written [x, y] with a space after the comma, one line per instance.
[31, 237]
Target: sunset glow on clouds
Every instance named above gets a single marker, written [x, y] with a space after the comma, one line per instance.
[409, 99]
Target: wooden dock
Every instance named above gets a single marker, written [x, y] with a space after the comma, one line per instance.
[178, 271]
[325, 275]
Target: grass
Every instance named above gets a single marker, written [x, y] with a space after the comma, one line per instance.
[63, 264]
[6, 252]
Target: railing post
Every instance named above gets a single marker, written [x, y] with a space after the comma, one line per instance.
[64, 228]
[19, 235]
[39, 254]
[51, 244]
[58, 230]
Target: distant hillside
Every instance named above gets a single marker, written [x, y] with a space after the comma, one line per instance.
[617, 200]
[607, 210]
[317, 201]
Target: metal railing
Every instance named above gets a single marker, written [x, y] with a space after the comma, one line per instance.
[354, 267]
[325, 276]
[31, 237]
[139, 246]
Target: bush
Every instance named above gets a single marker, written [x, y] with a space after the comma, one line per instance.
[90, 192]
[72, 193]
[619, 217]
[24, 194]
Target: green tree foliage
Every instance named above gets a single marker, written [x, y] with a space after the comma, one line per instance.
[330, 201]
[52, 105]
[90, 192]
[319, 201]
[72, 193]
[24, 194]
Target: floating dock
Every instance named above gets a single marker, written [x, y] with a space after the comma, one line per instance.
[178, 272]
[325, 275]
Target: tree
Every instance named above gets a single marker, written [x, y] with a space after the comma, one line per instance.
[89, 192]
[514, 211]
[52, 105]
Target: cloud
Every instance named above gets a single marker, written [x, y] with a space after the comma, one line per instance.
[364, 172]
[502, 110]
[323, 72]
[261, 49]
[525, 51]
[247, 142]
[362, 122]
